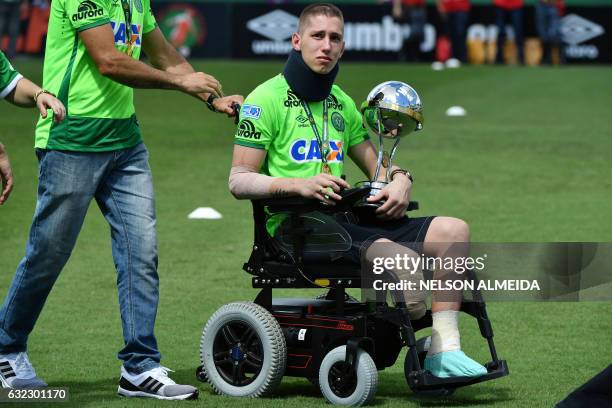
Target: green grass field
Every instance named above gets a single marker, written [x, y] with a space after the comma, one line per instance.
[530, 162]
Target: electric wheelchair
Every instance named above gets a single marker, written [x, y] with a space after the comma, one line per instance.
[334, 340]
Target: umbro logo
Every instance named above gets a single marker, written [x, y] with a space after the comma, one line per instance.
[278, 25]
[576, 29]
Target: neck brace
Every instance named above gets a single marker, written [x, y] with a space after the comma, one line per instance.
[307, 84]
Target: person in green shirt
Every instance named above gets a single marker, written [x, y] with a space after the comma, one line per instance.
[278, 152]
[22, 92]
[92, 63]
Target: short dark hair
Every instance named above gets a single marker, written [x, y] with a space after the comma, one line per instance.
[318, 9]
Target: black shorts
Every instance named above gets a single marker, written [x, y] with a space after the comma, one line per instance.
[406, 231]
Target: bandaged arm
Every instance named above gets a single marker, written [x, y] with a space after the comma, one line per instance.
[245, 181]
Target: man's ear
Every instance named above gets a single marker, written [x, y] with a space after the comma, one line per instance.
[342, 50]
[296, 42]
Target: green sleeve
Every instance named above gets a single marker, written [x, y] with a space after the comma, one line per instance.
[8, 76]
[149, 23]
[257, 124]
[86, 14]
[357, 132]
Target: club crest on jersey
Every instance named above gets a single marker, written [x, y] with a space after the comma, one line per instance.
[121, 34]
[247, 129]
[304, 151]
[87, 9]
[337, 121]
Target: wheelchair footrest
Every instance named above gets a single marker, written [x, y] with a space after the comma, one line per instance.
[423, 380]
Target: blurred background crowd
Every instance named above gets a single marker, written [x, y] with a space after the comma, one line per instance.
[449, 32]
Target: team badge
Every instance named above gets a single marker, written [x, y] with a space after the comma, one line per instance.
[138, 5]
[251, 111]
[337, 121]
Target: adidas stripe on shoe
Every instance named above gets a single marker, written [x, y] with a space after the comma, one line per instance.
[16, 371]
[154, 383]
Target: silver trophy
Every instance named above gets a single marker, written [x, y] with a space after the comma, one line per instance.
[392, 110]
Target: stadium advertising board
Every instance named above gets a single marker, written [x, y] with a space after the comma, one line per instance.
[263, 31]
[226, 30]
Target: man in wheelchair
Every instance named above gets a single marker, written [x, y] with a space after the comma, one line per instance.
[285, 145]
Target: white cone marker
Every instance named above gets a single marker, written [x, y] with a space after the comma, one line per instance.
[456, 111]
[205, 213]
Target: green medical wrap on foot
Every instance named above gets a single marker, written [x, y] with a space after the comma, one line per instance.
[453, 364]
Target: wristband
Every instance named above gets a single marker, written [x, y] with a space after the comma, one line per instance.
[404, 172]
[40, 92]
[209, 102]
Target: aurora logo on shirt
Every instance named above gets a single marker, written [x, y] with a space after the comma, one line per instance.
[304, 151]
[247, 130]
[332, 103]
[292, 100]
[87, 9]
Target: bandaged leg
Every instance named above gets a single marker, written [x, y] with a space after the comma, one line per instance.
[444, 357]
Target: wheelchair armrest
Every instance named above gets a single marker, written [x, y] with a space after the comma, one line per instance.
[290, 204]
[299, 204]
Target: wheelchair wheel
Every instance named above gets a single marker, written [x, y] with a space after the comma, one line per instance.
[354, 388]
[422, 348]
[243, 350]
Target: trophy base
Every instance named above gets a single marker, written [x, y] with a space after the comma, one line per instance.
[375, 186]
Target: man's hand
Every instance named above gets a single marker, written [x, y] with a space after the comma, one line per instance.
[6, 174]
[397, 197]
[46, 101]
[323, 187]
[225, 104]
[198, 82]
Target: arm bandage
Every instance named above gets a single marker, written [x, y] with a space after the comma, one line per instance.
[245, 183]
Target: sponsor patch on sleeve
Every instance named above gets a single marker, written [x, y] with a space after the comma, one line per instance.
[250, 111]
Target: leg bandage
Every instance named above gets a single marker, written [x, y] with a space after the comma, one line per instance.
[445, 332]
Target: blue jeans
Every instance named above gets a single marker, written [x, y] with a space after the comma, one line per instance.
[457, 27]
[121, 183]
[548, 25]
[516, 19]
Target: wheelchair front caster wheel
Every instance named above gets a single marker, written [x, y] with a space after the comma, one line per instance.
[201, 374]
[343, 386]
[243, 350]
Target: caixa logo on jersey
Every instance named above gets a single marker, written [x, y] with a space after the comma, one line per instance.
[304, 151]
[121, 33]
[247, 130]
[87, 9]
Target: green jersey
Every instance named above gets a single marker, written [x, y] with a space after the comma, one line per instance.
[8, 76]
[272, 118]
[100, 112]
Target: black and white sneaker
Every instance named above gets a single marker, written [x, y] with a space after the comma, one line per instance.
[154, 383]
[16, 371]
